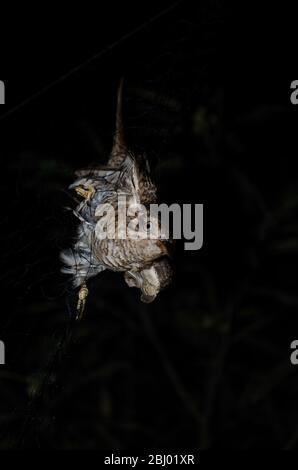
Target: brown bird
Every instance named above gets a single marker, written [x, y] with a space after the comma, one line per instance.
[143, 260]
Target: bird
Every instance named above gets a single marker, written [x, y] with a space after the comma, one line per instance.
[142, 260]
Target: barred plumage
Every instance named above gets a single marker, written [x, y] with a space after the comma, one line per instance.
[143, 261]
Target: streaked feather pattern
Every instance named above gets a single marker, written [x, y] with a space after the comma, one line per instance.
[143, 262]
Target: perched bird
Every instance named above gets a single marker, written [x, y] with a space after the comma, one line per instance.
[142, 259]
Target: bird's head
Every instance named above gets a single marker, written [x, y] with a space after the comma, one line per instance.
[150, 280]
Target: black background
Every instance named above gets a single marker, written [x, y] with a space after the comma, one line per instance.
[207, 96]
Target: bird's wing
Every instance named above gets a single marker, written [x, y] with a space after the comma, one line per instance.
[119, 149]
[124, 171]
[134, 171]
[134, 178]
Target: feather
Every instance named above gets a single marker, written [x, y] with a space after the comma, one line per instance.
[119, 147]
[78, 262]
[143, 262]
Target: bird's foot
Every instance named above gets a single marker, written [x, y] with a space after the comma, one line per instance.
[83, 294]
[85, 193]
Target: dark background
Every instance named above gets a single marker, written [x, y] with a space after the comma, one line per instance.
[207, 96]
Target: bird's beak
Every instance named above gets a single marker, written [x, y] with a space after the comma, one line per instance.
[131, 279]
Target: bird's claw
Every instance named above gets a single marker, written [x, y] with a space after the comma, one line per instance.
[83, 294]
[85, 193]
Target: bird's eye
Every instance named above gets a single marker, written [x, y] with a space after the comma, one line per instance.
[148, 226]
